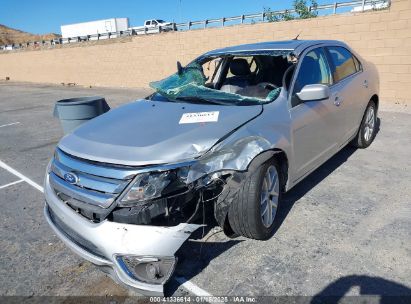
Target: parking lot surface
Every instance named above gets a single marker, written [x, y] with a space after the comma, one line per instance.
[344, 230]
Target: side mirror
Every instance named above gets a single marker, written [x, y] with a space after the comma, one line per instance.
[312, 92]
[179, 68]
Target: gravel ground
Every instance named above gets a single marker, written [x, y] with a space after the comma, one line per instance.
[344, 230]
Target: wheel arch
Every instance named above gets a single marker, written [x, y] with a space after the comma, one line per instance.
[376, 100]
[223, 206]
[282, 158]
[276, 153]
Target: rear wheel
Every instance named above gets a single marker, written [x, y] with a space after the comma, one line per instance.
[368, 127]
[253, 212]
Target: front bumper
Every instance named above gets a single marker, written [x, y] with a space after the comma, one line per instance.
[101, 243]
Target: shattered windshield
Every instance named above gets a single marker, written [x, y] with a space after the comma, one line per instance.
[234, 79]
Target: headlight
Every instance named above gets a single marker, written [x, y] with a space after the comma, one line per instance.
[151, 185]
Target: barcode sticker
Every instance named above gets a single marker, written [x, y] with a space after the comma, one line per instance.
[198, 117]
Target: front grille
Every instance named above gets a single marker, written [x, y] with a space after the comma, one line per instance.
[92, 189]
[74, 236]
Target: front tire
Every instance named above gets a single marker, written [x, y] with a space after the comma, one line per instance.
[368, 127]
[252, 213]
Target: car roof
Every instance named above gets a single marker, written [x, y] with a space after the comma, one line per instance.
[295, 46]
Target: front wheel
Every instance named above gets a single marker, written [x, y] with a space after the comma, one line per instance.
[253, 212]
[368, 127]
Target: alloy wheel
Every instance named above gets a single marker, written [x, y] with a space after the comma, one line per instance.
[369, 124]
[269, 196]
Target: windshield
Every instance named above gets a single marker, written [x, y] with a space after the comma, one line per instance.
[227, 79]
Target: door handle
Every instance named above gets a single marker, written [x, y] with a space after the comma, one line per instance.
[337, 101]
[365, 84]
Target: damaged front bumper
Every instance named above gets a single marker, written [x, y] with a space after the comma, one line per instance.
[138, 256]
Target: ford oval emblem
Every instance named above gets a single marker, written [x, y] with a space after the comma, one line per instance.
[71, 178]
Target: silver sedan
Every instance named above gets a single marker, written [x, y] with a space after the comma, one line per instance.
[231, 131]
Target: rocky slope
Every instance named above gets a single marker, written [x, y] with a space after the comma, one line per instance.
[9, 35]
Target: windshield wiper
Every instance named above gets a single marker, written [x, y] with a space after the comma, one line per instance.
[195, 99]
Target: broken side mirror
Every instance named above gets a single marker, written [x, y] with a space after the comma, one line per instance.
[311, 92]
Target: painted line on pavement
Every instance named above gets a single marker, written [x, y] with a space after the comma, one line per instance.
[193, 288]
[21, 176]
[11, 184]
[10, 124]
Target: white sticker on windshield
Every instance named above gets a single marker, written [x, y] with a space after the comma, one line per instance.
[199, 117]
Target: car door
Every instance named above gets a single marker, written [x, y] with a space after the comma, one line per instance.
[316, 124]
[350, 88]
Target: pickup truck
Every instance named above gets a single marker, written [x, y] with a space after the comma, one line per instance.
[154, 26]
[229, 133]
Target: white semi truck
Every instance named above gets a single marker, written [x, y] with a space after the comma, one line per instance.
[94, 28]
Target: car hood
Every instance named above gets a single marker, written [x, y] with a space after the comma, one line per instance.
[154, 132]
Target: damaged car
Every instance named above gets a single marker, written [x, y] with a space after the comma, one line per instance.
[231, 131]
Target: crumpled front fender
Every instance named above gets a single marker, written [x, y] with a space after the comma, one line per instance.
[241, 154]
[234, 183]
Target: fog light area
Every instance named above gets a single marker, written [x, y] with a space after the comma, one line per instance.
[153, 270]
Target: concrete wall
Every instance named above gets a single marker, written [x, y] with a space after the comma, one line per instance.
[383, 37]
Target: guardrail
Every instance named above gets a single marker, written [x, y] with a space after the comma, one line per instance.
[256, 18]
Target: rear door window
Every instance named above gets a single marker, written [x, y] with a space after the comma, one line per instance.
[343, 63]
[358, 65]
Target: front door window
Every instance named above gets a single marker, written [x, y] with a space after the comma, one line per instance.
[314, 70]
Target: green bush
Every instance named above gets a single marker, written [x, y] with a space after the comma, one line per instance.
[302, 11]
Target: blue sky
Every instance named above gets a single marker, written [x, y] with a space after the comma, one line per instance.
[44, 16]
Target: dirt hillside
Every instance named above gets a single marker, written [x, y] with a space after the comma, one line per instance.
[9, 35]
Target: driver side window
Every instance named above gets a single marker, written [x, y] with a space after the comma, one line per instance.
[314, 69]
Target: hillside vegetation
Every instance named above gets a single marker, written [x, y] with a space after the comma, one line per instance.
[9, 36]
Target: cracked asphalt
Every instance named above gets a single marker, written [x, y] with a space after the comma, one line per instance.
[344, 230]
